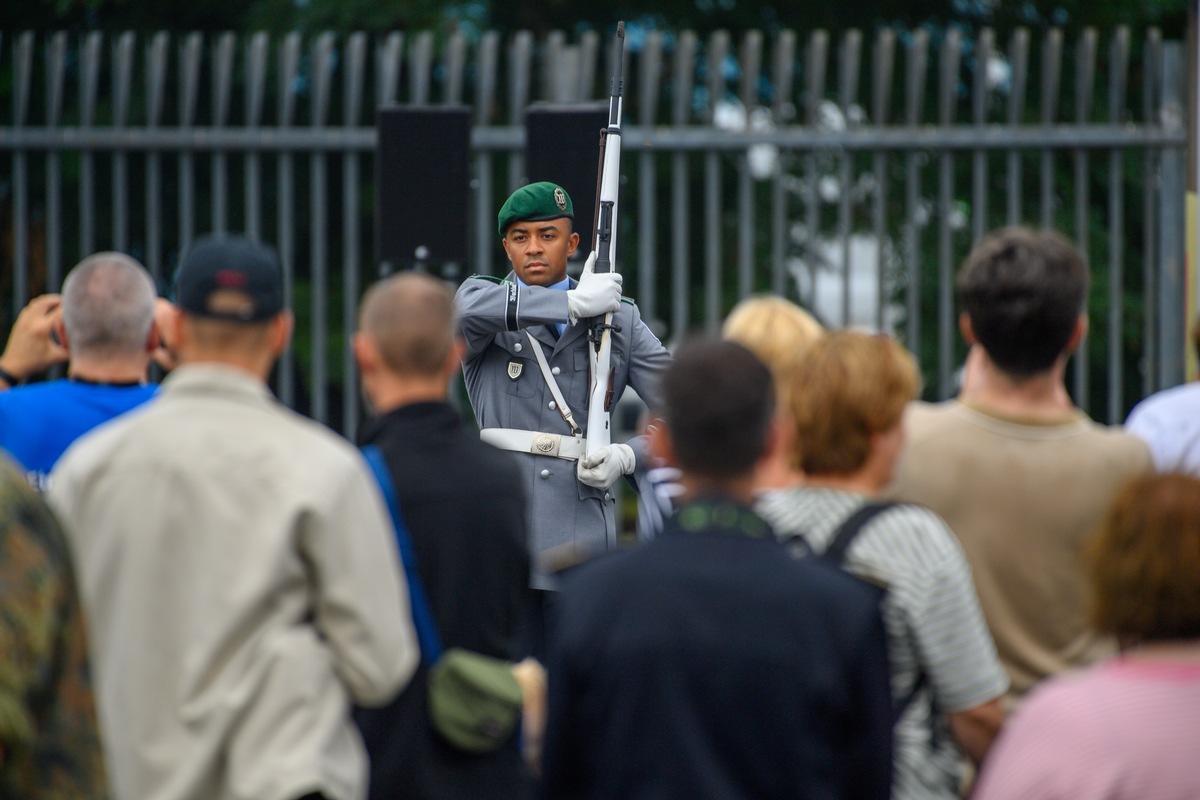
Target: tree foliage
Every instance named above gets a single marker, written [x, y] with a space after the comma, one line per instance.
[541, 16]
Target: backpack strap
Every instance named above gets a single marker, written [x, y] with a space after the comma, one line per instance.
[836, 553]
[849, 530]
[426, 628]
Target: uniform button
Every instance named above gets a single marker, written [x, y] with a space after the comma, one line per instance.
[607, 496]
[517, 347]
[555, 370]
[545, 473]
[551, 405]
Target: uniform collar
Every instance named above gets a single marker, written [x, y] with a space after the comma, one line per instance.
[561, 286]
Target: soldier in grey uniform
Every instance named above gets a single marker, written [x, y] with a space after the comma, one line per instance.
[519, 404]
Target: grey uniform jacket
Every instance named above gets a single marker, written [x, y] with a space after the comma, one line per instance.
[494, 315]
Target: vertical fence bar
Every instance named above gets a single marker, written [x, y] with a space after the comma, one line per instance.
[552, 59]
[783, 111]
[915, 69]
[589, 43]
[353, 88]
[256, 90]
[420, 69]
[387, 72]
[1018, 57]
[322, 78]
[1117, 85]
[89, 83]
[156, 87]
[718, 50]
[122, 89]
[56, 57]
[849, 60]
[520, 71]
[647, 218]
[1085, 79]
[947, 101]
[751, 64]
[456, 64]
[683, 68]
[815, 61]
[1172, 287]
[222, 95]
[1151, 71]
[289, 66]
[980, 96]
[883, 62]
[485, 98]
[23, 78]
[1051, 78]
[189, 90]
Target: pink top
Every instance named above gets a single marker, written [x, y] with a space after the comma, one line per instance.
[1124, 730]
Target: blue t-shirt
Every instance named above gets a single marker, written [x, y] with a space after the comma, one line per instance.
[40, 421]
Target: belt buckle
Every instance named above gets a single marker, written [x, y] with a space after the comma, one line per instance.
[546, 444]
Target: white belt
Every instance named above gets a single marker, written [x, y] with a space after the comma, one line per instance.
[557, 445]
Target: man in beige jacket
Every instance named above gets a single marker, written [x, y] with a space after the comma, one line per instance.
[237, 566]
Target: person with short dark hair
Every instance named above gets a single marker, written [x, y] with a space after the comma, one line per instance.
[708, 663]
[464, 508]
[1124, 729]
[528, 376]
[1020, 474]
[104, 321]
[237, 565]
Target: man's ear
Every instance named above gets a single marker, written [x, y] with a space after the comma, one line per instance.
[454, 358]
[659, 441]
[504, 242]
[281, 331]
[572, 243]
[153, 338]
[60, 332]
[366, 354]
[1077, 333]
[965, 328]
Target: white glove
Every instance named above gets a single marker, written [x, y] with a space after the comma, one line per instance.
[597, 293]
[601, 469]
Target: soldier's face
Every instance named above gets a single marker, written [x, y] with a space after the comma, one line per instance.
[539, 250]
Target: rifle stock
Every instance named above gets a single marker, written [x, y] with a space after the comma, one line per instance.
[599, 431]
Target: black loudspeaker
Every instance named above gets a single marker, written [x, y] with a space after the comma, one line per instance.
[421, 183]
[562, 145]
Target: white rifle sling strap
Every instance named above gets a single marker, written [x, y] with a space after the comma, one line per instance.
[559, 400]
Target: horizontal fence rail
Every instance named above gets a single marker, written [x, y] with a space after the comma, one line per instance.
[849, 174]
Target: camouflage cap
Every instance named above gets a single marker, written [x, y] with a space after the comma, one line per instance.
[535, 202]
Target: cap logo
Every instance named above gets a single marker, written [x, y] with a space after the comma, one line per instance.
[230, 279]
[560, 199]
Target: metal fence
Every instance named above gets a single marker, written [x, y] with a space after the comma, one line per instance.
[769, 164]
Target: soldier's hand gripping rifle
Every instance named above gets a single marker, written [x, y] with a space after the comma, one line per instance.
[599, 433]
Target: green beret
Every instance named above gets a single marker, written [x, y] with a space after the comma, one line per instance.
[535, 202]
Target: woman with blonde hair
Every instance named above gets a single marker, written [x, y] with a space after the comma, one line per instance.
[1125, 729]
[779, 332]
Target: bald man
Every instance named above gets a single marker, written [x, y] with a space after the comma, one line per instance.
[464, 506]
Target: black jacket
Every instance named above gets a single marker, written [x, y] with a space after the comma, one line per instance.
[463, 504]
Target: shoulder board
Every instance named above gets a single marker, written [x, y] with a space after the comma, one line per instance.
[491, 278]
[629, 300]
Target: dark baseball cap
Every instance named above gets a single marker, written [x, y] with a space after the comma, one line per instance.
[231, 264]
[535, 202]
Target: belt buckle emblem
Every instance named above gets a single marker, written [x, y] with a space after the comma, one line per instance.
[546, 443]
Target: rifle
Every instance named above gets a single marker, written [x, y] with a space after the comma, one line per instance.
[599, 433]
